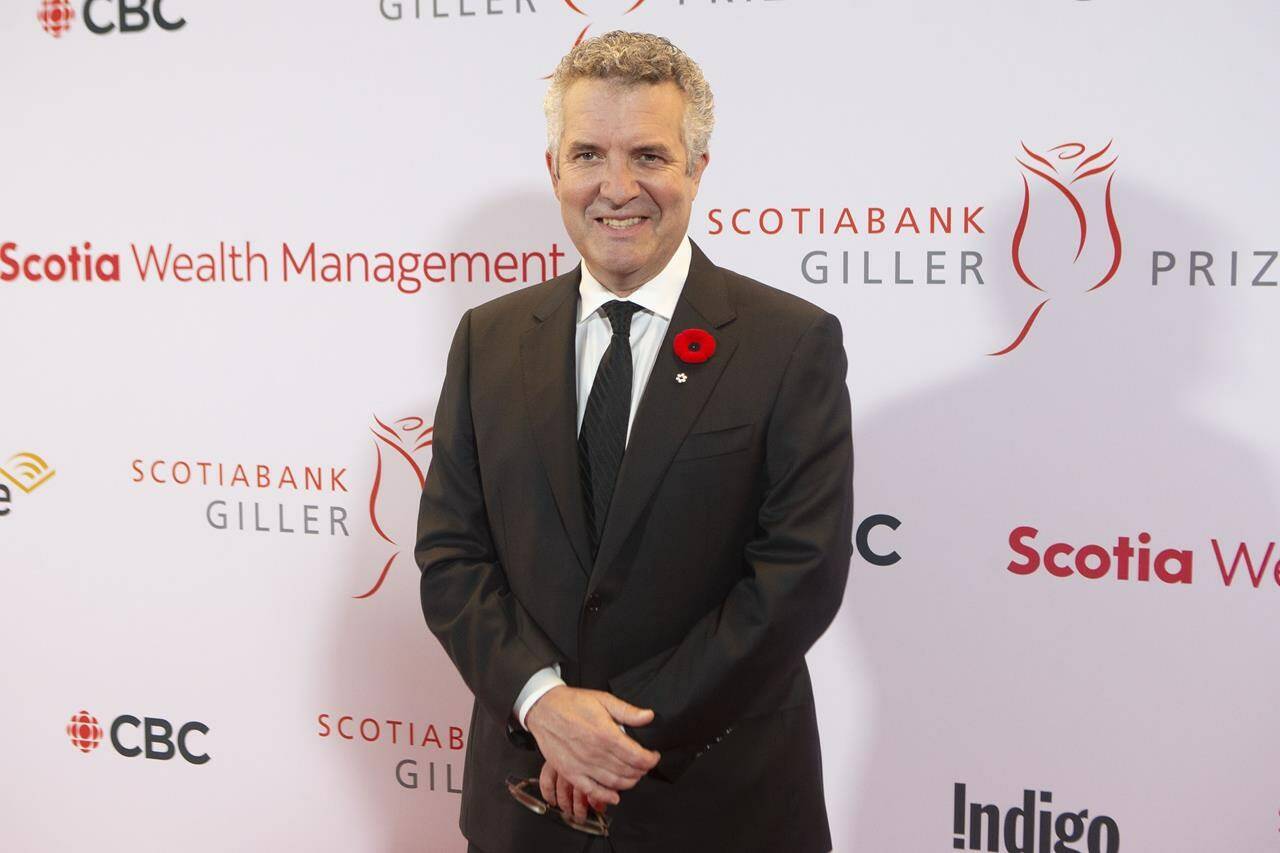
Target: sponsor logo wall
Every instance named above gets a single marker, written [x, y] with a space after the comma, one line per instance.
[231, 266]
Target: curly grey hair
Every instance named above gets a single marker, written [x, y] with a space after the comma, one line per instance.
[632, 58]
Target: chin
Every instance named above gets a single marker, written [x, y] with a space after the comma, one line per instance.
[620, 262]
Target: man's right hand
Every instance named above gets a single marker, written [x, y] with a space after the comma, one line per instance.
[577, 733]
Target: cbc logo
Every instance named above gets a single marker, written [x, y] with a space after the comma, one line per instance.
[150, 737]
[863, 540]
[106, 16]
[130, 17]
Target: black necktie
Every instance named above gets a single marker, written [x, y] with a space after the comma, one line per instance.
[604, 423]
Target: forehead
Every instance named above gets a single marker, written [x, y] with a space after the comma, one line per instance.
[610, 108]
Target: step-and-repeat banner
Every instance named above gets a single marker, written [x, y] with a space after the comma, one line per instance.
[236, 238]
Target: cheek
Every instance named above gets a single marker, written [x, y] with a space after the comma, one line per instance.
[672, 198]
[575, 198]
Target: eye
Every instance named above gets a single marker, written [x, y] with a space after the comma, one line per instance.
[650, 158]
[582, 154]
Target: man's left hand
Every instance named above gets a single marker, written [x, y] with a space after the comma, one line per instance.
[559, 792]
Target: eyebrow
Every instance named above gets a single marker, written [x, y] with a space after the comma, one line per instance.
[655, 148]
[648, 148]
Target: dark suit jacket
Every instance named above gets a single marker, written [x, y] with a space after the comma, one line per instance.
[724, 556]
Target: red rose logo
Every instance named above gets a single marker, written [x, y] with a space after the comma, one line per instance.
[1068, 186]
[407, 437]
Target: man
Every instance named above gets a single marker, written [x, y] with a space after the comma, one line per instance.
[638, 514]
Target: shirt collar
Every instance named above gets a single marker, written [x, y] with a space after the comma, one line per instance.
[659, 294]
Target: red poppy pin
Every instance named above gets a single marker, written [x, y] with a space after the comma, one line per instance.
[694, 346]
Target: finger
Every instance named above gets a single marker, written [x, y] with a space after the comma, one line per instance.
[579, 804]
[547, 783]
[626, 766]
[564, 793]
[614, 754]
[597, 754]
[607, 779]
[623, 711]
[630, 755]
[588, 786]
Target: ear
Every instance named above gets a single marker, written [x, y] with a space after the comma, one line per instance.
[555, 179]
[698, 168]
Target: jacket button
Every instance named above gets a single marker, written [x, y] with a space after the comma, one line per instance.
[593, 602]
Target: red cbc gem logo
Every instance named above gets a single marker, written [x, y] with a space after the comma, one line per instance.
[55, 16]
[694, 346]
[1063, 185]
[407, 437]
[84, 731]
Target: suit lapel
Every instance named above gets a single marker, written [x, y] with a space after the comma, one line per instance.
[667, 408]
[547, 365]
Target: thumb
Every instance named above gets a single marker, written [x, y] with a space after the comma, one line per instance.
[624, 712]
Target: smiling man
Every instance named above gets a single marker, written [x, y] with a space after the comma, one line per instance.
[638, 514]
[623, 177]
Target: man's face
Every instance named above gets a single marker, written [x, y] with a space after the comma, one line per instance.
[621, 161]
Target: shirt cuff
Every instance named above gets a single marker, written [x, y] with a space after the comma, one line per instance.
[540, 682]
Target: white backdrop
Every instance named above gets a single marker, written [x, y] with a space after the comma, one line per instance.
[1145, 406]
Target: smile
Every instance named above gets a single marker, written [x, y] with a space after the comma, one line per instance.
[616, 224]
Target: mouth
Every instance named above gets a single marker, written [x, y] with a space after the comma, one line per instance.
[621, 225]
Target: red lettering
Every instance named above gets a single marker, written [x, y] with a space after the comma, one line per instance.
[1051, 563]
[775, 212]
[903, 220]
[1082, 561]
[1242, 552]
[846, 220]
[875, 220]
[1031, 556]
[971, 220]
[499, 263]
[7, 261]
[799, 212]
[713, 215]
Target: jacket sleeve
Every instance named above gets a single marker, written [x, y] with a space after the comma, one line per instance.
[739, 656]
[466, 599]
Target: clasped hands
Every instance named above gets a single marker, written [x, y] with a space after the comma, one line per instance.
[589, 759]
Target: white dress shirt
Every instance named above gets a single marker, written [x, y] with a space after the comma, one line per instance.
[657, 298]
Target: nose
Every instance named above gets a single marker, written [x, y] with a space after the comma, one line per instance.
[618, 185]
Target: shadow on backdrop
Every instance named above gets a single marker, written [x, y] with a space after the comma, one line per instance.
[1118, 696]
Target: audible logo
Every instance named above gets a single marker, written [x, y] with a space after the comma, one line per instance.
[27, 471]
